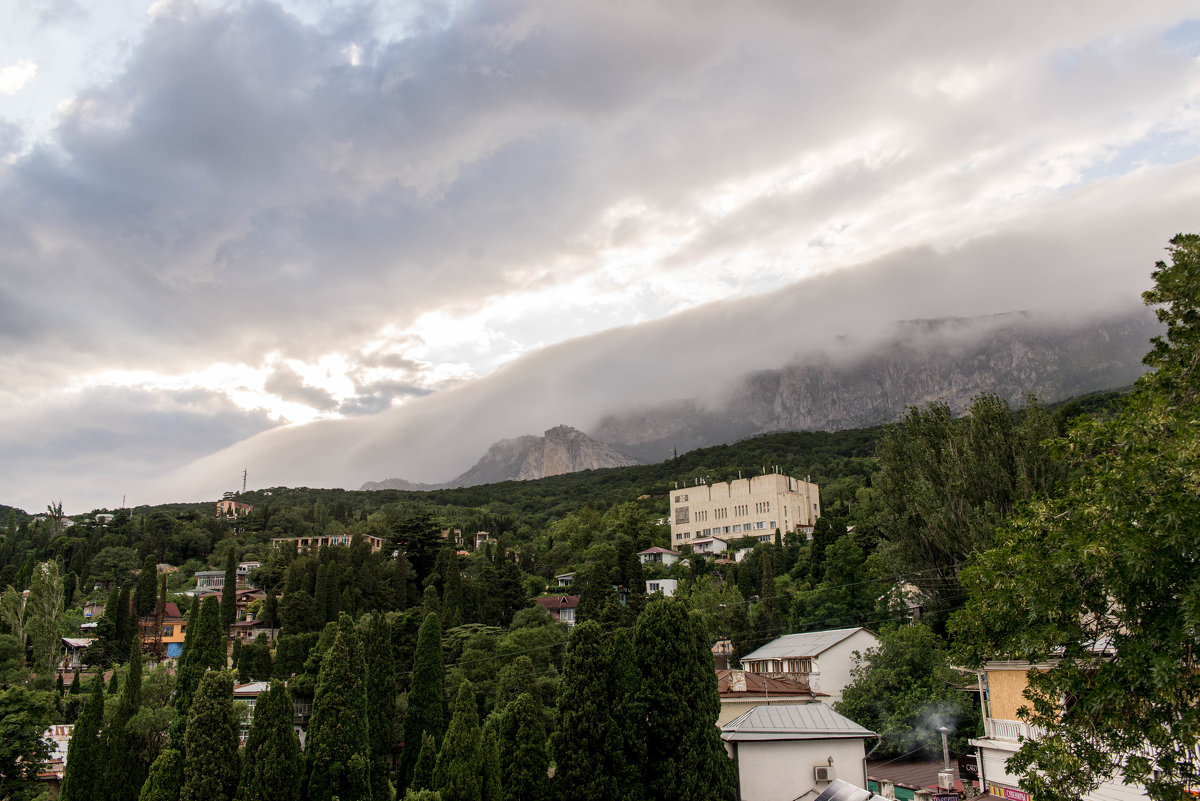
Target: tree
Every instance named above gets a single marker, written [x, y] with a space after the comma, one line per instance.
[24, 715]
[1101, 581]
[422, 776]
[458, 774]
[904, 690]
[203, 650]
[452, 589]
[229, 590]
[272, 765]
[43, 616]
[84, 772]
[492, 787]
[520, 733]
[124, 771]
[679, 691]
[147, 587]
[165, 781]
[210, 767]
[338, 748]
[381, 699]
[426, 694]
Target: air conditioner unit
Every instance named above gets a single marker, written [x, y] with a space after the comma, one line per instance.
[946, 780]
[823, 773]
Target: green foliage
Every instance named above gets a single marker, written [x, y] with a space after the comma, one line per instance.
[681, 706]
[82, 777]
[381, 699]
[338, 748]
[24, 715]
[165, 781]
[147, 586]
[904, 691]
[452, 589]
[229, 591]
[43, 613]
[203, 649]
[210, 769]
[520, 734]
[272, 765]
[458, 774]
[426, 695]
[1101, 579]
[124, 771]
[422, 776]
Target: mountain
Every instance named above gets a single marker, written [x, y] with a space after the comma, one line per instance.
[562, 449]
[949, 359]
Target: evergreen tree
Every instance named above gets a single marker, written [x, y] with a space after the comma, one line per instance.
[272, 765]
[515, 679]
[625, 746]
[58, 685]
[189, 630]
[82, 777]
[520, 733]
[381, 699]
[204, 649]
[124, 771]
[210, 768]
[426, 694]
[229, 590]
[338, 748]
[147, 589]
[165, 781]
[103, 651]
[452, 590]
[74, 688]
[458, 774]
[492, 772]
[585, 708]
[430, 603]
[422, 777]
[679, 689]
[126, 625]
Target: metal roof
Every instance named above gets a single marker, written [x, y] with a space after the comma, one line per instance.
[792, 646]
[813, 721]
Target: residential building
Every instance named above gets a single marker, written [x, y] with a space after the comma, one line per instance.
[821, 659]
[741, 691]
[666, 586]
[480, 538]
[794, 751]
[561, 607]
[73, 648]
[248, 694]
[1003, 685]
[564, 579]
[232, 508]
[747, 507]
[659, 556]
[314, 543]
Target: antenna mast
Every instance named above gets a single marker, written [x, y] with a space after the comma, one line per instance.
[243, 481]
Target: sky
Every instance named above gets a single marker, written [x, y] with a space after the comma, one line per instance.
[330, 242]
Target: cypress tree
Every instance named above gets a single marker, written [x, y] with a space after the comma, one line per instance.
[204, 649]
[189, 630]
[493, 789]
[426, 695]
[452, 590]
[74, 688]
[430, 603]
[58, 685]
[515, 679]
[210, 766]
[584, 706]
[114, 682]
[679, 690]
[381, 699]
[523, 759]
[338, 748]
[236, 660]
[147, 590]
[124, 771]
[166, 777]
[458, 774]
[229, 591]
[103, 651]
[272, 765]
[126, 624]
[422, 777]
[625, 747]
[85, 754]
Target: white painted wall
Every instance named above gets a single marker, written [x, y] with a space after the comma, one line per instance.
[995, 771]
[782, 770]
[831, 669]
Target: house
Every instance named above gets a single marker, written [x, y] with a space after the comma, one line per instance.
[248, 694]
[1003, 685]
[174, 625]
[741, 691]
[747, 507]
[73, 648]
[666, 586]
[232, 508]
[709, 546]
[561, 607]
[215, 579]
[480, 538]
[821, 659]
[785, 752]
[59, 737]
[248, 630]
[656, 556]
[326, 540]
[564, 579]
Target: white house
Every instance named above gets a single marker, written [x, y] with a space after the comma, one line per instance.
[666, 586]
[657, 555]
[788, 752]
[821, 659]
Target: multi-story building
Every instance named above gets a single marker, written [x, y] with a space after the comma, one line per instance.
[747, 507]
[821, 660]
[314, 543]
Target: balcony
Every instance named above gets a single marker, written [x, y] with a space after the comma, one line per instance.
[1011, 730]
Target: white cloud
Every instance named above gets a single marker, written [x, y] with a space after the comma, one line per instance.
[15, 77]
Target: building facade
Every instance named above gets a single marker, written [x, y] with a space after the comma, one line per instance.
[747, 507]
[821, 660]
[326, 540]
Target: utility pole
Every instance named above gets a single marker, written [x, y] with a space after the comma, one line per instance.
[243, 481]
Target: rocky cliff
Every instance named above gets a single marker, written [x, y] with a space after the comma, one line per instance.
[561, 450]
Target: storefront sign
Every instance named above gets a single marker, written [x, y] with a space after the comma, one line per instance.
[968, 768]
[1008, 793]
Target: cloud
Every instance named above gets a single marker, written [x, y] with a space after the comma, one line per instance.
[288, 385]
[15, 77]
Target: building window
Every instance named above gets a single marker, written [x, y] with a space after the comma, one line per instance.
[681, 515]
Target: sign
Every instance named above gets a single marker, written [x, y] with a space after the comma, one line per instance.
[944, 797]
[1008, 793]
[968, 768]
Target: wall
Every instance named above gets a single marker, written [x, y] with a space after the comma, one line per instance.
[831, 669]
[782, 770]
[1005, 692]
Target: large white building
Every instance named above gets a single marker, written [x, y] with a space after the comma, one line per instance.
[748, 507]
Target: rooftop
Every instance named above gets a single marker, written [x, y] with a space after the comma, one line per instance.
[792, 646]
[813, 721]
[733, 684]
